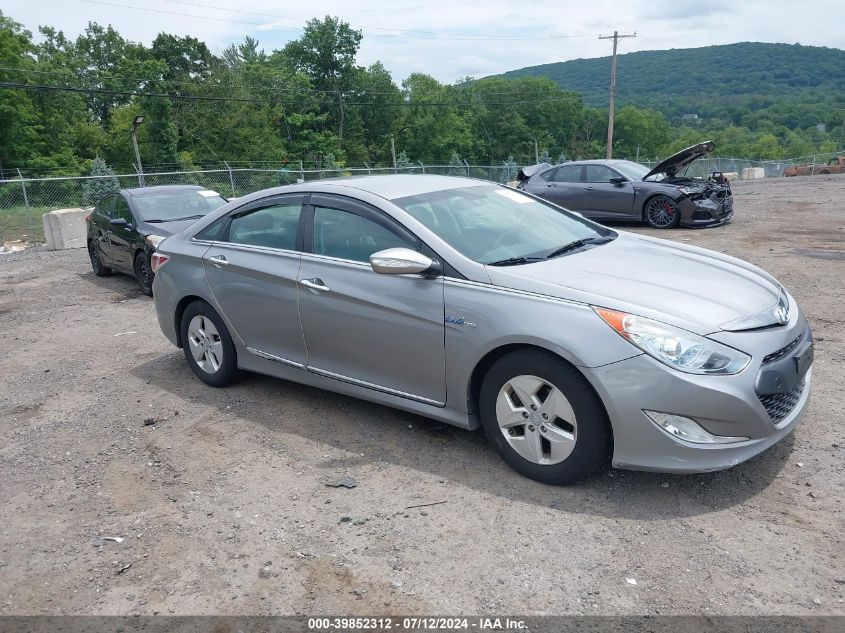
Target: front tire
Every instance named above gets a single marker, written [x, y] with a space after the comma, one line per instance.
[543, 417]
[661, 212]
[208, 347]
[144, 274]
[100, 269]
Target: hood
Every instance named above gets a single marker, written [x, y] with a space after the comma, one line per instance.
[676, 162]
[686, 286]
[166, 229]
[525, 173]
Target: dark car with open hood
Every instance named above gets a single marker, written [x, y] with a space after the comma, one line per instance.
[126, 227]
[622, 190]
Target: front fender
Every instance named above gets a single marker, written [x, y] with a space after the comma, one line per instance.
[481, 318]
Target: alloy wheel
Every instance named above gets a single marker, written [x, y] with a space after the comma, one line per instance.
[205, 344]
[661, 212]
[536, 420]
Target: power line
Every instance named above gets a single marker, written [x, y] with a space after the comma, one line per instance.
[100, 77]
[427, 35]
[410, 104]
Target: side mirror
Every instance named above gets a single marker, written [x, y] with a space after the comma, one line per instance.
[400, 261]
[618, 181]
[118, 222]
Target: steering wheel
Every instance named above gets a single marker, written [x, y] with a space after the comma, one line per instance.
[502, 237]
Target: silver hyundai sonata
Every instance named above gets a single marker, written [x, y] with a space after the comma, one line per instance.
[480, 305]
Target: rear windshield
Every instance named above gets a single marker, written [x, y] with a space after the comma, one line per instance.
[177, 205]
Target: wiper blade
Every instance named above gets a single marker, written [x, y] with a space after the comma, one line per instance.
[578, 244]
[514, 261]
[187, 217]
[156, 221]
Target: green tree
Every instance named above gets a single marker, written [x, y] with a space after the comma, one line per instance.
[456, 165]
[326, 54]
[104, 182]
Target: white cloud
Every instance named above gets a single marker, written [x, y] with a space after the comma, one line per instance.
[427, 36]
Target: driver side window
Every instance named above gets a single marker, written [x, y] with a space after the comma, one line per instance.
[346, 235]
[600, 173]
[121, 209]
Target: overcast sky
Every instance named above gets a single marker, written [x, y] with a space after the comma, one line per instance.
[454, 39]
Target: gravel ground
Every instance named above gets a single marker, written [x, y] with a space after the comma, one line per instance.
[223, 505]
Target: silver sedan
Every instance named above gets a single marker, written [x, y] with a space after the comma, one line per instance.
[482, 306]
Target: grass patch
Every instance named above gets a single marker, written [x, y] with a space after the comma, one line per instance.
[18, 223]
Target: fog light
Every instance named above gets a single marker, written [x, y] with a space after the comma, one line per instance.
[687, 429]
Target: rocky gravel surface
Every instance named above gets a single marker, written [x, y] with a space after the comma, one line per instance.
[129, 487]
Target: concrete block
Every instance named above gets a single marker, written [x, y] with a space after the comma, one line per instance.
[65, 228]
[753, 173]
[13, 246]
[731, 175]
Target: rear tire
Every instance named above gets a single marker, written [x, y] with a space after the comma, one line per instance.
[561, 434]
[208, 347]
[97, 265]
[661, 212]
[144, 273]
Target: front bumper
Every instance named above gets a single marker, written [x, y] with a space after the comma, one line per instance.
[710, 211]
[722, 405]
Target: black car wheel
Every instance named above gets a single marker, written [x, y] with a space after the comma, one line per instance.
[661, 212]
[543, 417]
[100, 269]
[208, 347]
[144, 273]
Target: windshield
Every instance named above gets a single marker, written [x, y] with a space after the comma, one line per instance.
[634, 171]
[176, 205]
[490, 223]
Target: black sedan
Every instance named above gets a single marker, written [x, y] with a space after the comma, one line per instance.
[622, 190]
[126, 227]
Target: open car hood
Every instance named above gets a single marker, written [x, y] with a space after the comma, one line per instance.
[525, 173]
[676, 162]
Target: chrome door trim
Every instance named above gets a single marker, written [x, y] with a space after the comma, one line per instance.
[278, 359]
[369, 385]
[251, 248]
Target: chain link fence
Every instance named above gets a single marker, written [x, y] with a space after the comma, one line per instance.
[771, 168]
[23, 200]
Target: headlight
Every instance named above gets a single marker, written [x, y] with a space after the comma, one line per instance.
[154, 240]
[675, 347]
[689, 190]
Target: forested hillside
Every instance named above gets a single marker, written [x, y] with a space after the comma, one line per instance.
[742, 83]
[66, 101]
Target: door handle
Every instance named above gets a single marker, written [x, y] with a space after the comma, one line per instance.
[314, 284]
[219, 261]
[589, 188]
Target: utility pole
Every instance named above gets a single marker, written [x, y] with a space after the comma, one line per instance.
[615, 37]
[393, 152]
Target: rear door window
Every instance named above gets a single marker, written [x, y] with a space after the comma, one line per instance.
[271, 226]
[568, 173]
[105, 206]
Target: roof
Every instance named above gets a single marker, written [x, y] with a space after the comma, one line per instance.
[142, 191]
[595, 161]
[395, 186]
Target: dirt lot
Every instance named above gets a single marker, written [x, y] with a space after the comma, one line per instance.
[224, 507]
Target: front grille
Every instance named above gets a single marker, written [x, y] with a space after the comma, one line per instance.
[783, 351]
[780, 405]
